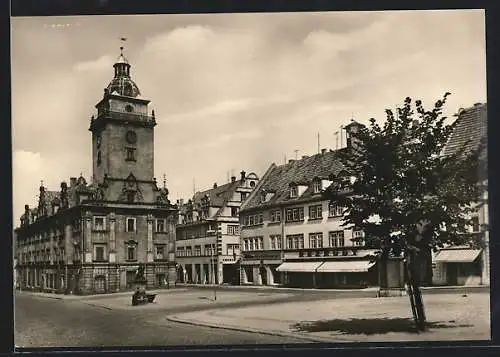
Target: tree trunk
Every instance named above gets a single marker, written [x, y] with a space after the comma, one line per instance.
[415, 293]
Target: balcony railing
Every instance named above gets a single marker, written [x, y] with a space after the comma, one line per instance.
[132, 117]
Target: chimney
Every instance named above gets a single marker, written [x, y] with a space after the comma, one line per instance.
[233, 178]
[477, 104]
[323, 151]
[72, 182]
[243, 173]
[215, 184]
[291, 161]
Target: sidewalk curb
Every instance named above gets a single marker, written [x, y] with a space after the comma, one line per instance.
[297, 335]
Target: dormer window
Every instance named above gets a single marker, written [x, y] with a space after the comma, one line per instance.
[294, 191]
[317, 186]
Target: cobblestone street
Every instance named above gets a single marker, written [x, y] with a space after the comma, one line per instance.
[45, 322]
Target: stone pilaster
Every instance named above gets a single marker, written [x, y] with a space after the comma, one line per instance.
[88, 237]
[149, 251]
[112, 237]
[172, 272]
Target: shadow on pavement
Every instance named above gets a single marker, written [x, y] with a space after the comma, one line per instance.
[369, 326]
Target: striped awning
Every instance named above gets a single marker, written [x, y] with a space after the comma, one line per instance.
[457, 256]
[299, 267]
[349, 266]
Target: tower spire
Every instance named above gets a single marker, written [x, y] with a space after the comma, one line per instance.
[164, 181]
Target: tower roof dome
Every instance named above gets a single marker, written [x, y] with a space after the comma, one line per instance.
[122, 84]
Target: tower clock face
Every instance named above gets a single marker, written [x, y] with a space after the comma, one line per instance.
[131, 137]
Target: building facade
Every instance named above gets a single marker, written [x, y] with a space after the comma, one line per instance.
[467, 265]
[90, 237]
[292, 235]
[208, 233]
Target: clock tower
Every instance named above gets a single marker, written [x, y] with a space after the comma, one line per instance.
[123, 140]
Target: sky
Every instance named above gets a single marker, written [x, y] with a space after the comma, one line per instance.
[231, 92]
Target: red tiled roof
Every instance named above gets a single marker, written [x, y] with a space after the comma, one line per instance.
[278, 179]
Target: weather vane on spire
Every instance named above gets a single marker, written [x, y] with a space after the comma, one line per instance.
[123, 39]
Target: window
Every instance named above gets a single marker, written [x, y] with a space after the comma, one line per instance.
[208, 249]
[99, 253]
[99, 223]
[180, 252]
[197, 250]
[159, 252]
[260, 243]
[251, 244]
[335, 210]
[243, 196]
[245, 245]
[232, 249]
[275, 242]
[315, 212]
[357, 234]
[130, 196]
[98, 158]
[337, 239]
[234, 211]
[130, 224]
[254, 219]
[160, 225]
[188, 252]
[317, 186]
[252, 184]
[131, 253]
[233, 230]
[276, 216]
[295, 214]
[130, 154]
[295, 241]
[316, 240]
[293, 191]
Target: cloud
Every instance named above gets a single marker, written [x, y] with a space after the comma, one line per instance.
[100, 64]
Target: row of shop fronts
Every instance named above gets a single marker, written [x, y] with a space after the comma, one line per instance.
[459, 266]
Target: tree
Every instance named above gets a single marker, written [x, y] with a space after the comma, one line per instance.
[406, 195]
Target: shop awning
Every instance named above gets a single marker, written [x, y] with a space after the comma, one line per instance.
[457, 256]
[346, 266]
[299, 267]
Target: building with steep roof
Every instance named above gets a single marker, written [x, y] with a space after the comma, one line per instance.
[465, 265]
[91, 237]
[291, 234]
[208, 233]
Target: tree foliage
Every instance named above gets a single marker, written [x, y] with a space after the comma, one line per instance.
[408, 195]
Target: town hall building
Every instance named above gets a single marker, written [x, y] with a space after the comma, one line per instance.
[90, 237]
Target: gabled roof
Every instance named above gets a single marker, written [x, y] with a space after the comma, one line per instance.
[470, 127]
[217, 195]
[278, 179]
